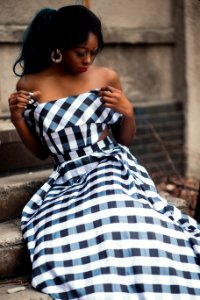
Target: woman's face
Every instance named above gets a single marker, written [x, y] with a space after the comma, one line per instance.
[79, 59]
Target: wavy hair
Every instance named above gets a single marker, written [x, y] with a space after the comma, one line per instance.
[52, 29]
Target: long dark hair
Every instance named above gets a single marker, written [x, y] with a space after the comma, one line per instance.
[51, 29]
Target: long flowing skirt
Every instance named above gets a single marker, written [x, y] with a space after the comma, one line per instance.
[98, 230]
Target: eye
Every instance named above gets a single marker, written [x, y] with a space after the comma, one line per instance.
[80, 53]
[94, 53]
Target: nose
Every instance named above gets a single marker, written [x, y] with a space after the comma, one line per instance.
[87, 59]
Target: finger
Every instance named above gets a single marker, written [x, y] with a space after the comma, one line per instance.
[106, 88]
[16, 100]
[35, 95]
[13, 96]
[19, 107]
[110, 89]
[29, 94]
[23, 93]
[109, 99]
[20, 99]
[109, 105]
[105, 94]
[24, 97]
[111, 102]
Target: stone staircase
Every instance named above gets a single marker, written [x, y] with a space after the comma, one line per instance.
[14, 260]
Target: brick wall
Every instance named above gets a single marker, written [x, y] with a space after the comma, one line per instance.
[159, 140]
[158, 144]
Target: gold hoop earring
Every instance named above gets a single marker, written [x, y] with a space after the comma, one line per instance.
[56, 56]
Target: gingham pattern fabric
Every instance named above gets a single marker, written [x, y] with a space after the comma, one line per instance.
[98, 229]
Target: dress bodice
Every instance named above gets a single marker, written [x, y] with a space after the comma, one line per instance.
[70, 123]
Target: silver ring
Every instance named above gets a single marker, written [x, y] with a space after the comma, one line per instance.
[30, 94]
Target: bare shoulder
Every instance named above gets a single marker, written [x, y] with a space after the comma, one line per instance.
[25, 83]
[108, 73]
[110, 76]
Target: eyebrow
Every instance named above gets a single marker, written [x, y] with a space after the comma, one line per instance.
[85, 48]
[82, 47]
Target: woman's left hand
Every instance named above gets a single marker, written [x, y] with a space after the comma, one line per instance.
[115, 99]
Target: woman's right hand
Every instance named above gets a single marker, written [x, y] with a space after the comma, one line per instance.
[18, 102]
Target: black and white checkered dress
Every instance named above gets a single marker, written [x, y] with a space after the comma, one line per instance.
[97, 229]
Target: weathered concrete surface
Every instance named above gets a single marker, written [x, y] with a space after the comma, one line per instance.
[192, 28]
[14, 258]
[6, 124]
[129, 21]
[134, 13]
[22, 11]
[14, 193]
[28, 294]
[14, 155]
[23, 178]
[140, 71]
[14, 197]
[16, 190]
[178, 202]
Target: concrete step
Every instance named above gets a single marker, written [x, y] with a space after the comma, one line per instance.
[16, 190]
[15, 157]
[8, 291]
[14, 258]
[180, 203]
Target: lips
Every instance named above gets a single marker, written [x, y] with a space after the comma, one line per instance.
[83, 69]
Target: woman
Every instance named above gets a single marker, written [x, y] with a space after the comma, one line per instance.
[97, 229]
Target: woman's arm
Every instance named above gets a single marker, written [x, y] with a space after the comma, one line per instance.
[113, 97]
[17, 104]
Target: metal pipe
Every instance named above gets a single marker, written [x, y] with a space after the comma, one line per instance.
[83, 2]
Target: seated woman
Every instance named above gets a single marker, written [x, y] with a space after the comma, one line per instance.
[97, 229]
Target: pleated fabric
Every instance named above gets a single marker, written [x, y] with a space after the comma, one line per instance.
[98, 229]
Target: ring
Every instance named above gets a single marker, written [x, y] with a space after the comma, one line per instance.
[30, 94]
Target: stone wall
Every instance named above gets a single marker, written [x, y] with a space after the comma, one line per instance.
[14, 17]
[147, 51]
[143, 48]
[192, 133]
[139, 45]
